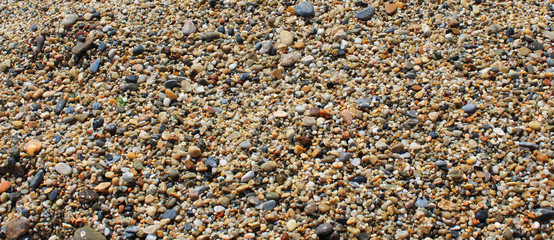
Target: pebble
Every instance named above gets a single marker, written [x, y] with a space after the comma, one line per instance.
[63, 169]
[324, 229]
[87, 233]
[16, 228]
[69, 20]
[5, 186]
[365, 14]
[189, 27]
[194, 152]
[169, 214]
[304, 9]
[470, 108]
[33, 147]
[95, 66]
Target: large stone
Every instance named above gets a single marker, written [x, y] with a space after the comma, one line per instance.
[87, 233]
[33, 147]
[81, 47]
[366, 13]
[189, 27]
[286, 37]
[16, 228]
[304, 9]
[69, 20]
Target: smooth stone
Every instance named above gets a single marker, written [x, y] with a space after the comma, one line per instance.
[304, 9]
[365, 14]
[210, 36]
[95, 66]
[88, 196]
[245, 145]
[37, 179]
[139, 49]
[344, 156]
[33, 147]
[482, 215]
[269, 166]
[286, 37]
[470, 108]
[169, 214]
[189, 27]
[269, 205]
[16, 228]
[288, 60]
[397, 148]
[248, 176]
[63, 169]
[82, 47]
[422, 203]
[324, 229]
[507, 234]
[128, 177]
[280, 114]
[87, 233]
[171, 83]
[308, 121]
[69, 20]
[307, 60]
[194, 151]
[536, 46]
[265, 47]
[40, 43]
[291, 225]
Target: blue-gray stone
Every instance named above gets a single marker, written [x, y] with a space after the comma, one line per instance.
[422, 203]
[344, 156]
[96, 106]
[528, 145]
[470, 108]
[245, 144]
[535, 46]
[550, 62]
[304, 9]
[544, 213]
[410, 75]
[169, 214]
[138, 50]
[366, 13]
[35, 181]
[363, 103]
[269, 205]
[40, 43]
[95, 66]
[133, 229]
[171, 83]
[102, 46]
[34, 27]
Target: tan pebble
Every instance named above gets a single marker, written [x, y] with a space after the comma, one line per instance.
[535, 125]
[102, 187]
[390, 8]
[194, 151]
[419, 94]
[280, 114]
[33, 147]
[291, 225]
[541, 157]
[17, 124]
[346, 116]
[286, 37]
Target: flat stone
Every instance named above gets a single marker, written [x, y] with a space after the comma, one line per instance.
[189, 27]
[245, 145]
[95, 66]
[308, 121]
[63, 169]
[81, 47]
[365, 14]
[397, 148]
[16, 228]
[304, 9]
[248, 176]
[69, 20]
[390, 8]
[169, 214]
[280, 114]
[288, 60]
[286, 37]
[324, 229]
[470, 108]
[87, 233]
[88, 196]
[194, 151]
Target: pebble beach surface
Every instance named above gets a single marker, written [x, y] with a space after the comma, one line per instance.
[276, 119]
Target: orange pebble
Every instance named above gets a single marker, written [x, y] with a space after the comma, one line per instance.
[5, 186]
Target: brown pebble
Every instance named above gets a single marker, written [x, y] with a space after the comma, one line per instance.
[16, 228]
[390, 8]
[33, 147]
[5, 186]
[195, 152]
